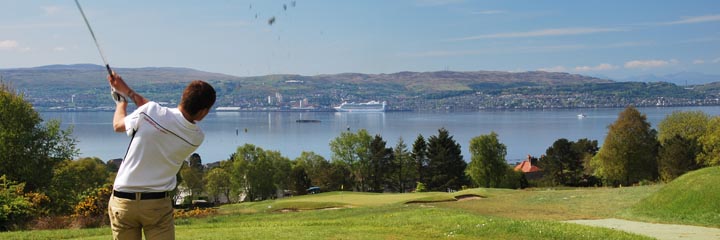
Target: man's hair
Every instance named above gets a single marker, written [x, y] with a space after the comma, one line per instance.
[198, 95]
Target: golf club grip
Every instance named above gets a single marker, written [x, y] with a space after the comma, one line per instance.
[107, 66]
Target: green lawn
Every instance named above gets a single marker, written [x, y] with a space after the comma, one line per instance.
[349, 215]
[394, 221]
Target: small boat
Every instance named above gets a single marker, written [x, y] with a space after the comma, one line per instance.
[307, 121]
[581, 116]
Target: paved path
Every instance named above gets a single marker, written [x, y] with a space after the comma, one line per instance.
[656, 230]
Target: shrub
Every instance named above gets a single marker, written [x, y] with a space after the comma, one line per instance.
[15, 207]
[195, 213]
[91, 211]
[420, 187]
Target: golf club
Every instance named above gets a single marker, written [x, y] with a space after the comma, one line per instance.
[117, 97]
[107, 65]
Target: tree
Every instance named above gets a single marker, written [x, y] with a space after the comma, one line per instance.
[353, 150]
[72, 179]
[487, 167]
[381, 165]
[29, 150]
[317, 168]
[686, 124]
[282, 168]
[217, 183]
[679, 134]
[564, 162]
[629, 152]
[446, 167]
[300, 181]
[405, 172]
[259, 173]
[677, 156]
[193, 175]
[710, 142]
[419, 155]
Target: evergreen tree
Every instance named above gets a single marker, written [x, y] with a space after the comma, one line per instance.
[487, 167]
[446, 167]
[629, 152]
[381, 165]
[405, 172]
[419, 156]
[561, 164]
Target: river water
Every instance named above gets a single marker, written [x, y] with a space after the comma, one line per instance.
[523, 132]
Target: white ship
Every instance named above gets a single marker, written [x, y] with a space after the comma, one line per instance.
[371, 106]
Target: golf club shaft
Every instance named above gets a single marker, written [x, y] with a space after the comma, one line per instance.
[107, 65]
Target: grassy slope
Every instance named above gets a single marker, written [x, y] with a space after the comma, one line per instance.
[550, 204]
[693, 198]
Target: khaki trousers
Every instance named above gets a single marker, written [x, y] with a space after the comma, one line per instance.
[129, 218]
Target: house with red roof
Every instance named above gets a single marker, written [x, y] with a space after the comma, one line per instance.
[529, 168]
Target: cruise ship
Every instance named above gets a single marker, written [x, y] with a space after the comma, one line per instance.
[371, 106]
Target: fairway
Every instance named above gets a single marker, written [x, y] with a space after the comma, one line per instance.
[349, 215]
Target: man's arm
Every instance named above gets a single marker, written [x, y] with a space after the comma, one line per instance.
[117, 83]
[119, 117]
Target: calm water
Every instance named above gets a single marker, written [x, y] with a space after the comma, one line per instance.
[523, 132]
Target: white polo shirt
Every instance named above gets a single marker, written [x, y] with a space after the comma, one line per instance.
[162, 140]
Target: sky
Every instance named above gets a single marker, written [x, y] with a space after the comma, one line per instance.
[610, 38]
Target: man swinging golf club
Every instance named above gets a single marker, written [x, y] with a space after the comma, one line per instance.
[162, 138]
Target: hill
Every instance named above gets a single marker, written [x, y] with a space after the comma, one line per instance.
[693, 198]
[83, 87]
[81, 76]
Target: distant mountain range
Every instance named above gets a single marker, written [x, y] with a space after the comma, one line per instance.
[680, 79]
[86, 85]
[91, 75]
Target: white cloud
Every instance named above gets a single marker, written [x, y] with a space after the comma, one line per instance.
[698, 61]
[554, 69]
[437, 2]
[696, 19]
[489, 12]
[600, 67]
[8, 44]
[650, 63]
[442, 53]
[51, 10]
[541, 33]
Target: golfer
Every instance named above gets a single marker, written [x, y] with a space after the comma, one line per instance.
[162, 138]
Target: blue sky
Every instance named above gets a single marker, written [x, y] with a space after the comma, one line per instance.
[602, 38]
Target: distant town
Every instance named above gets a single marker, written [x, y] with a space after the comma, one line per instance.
[83, 88]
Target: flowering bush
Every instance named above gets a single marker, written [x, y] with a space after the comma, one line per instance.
[91, 211]
[195, 213]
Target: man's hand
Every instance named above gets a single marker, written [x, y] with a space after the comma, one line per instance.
[118, 84]
[117, 97]
[120, 87]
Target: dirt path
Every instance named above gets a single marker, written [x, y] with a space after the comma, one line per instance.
[656, 230]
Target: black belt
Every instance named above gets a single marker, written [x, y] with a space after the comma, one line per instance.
[143, 196]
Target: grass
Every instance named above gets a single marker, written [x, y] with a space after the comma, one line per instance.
[552, 204]
[693, 198]
[394, 221]
[500, 214]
